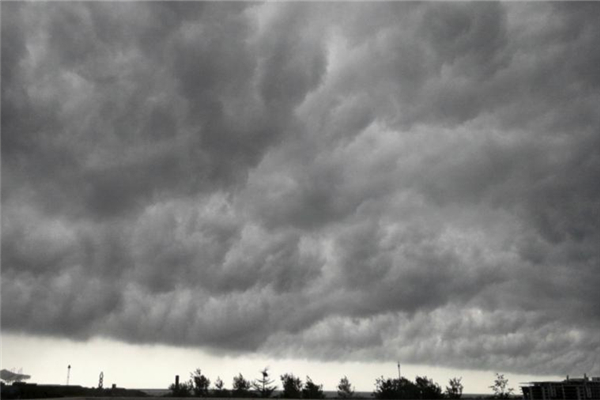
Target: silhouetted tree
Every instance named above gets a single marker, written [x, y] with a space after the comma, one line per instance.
[386, 388]
[292, 386]
[201, 383]
[219, 390]
[500, 387]
[454, 391]
[241, 387]
[345, 390]
[407, 389]
[312, 390]
[263, 385]
[428, 389]
[183, 390]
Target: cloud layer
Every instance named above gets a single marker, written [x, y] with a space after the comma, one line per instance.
[332, 181]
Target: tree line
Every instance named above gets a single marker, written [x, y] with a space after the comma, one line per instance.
[294, 388]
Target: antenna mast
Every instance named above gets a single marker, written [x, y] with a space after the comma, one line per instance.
[399, 374]
[101, 380]
[68, 374]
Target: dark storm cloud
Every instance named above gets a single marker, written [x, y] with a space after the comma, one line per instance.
[333, 181]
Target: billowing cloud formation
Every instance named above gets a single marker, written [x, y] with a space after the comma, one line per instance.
[333, 181]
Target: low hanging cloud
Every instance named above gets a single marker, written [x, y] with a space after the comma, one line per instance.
[369, 181]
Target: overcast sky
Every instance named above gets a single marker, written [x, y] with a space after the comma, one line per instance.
[342, 182]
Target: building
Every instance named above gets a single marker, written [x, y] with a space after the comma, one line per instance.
[570, 389]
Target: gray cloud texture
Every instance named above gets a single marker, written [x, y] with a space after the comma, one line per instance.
[348, 181]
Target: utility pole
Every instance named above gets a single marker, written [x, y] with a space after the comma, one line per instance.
[101, 380]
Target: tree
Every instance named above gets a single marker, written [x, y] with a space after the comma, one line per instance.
[500, 387]
[219, 390]
[241, 387]
[292, 386]
[454, 391]
[345, 390]
[312, 390]
[263, 386]
[386, 388]
[184, 389]
[427, 388]
[407, 389]
[201, 383]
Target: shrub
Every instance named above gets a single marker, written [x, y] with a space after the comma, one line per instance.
[183, 390]
[428, 389]
[312, 390]
[292, 387]
[345, 390]
[201, 383]
[500, 387]
[219, 390]
[454, 391]
[386, 388]
[241, 387]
